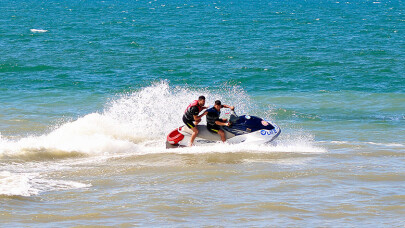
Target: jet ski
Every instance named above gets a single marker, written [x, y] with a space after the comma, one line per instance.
[245, 128]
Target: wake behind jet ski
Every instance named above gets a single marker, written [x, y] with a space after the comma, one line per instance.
[243, 128]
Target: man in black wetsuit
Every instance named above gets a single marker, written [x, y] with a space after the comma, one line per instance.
[191, 118]
[213, 120]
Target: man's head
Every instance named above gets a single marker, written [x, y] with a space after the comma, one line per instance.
[218, 105]
[201, 100]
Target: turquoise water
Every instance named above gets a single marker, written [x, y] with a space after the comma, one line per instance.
[89, 90]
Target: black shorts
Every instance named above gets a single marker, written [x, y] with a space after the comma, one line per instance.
[189, 123]
[213, 128]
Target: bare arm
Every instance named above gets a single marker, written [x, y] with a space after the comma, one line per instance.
[200, 116]
[227, 106]
[220, 123]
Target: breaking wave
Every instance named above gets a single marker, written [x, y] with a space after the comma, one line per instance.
[137, 121]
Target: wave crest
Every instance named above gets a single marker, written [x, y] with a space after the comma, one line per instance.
[135, 122]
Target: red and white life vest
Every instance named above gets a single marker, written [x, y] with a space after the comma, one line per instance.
[192, 104]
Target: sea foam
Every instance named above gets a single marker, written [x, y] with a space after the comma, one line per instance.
[28, 184]
[38, 30]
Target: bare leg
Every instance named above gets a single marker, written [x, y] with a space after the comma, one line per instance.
[193, 136]
[222, 134]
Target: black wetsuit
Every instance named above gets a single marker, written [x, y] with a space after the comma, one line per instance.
[212, 116]
[188, 117]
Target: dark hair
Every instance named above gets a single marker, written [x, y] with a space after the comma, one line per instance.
[201, 98]
[217, 102]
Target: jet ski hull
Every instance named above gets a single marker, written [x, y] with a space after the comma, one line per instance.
[247, 129]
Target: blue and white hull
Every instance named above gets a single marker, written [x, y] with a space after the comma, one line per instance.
[244, 129]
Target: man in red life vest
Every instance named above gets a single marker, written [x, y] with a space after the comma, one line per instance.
[191, 115]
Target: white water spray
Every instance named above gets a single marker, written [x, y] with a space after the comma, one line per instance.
[145, 115]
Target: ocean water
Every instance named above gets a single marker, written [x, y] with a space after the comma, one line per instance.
[90, 89]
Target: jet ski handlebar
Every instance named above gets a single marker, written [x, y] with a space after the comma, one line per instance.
[234, 117]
